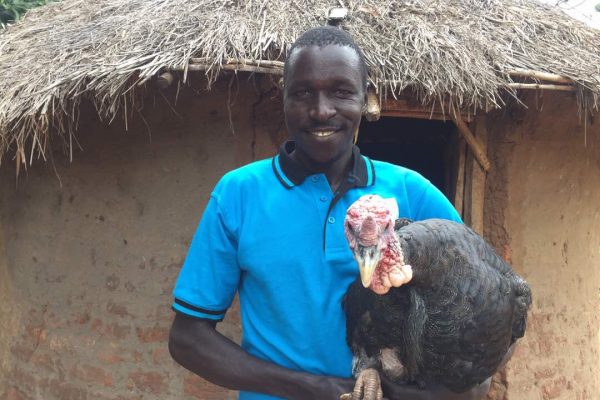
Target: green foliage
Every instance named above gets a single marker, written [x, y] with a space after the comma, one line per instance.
[12, 10]
[598, 7]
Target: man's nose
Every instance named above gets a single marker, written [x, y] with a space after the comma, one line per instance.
[322, 108]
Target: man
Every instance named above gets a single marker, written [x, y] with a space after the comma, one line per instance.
[273, 231]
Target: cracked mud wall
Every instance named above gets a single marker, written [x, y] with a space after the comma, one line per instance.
[8, 314]
[542, 214]
[88, 259]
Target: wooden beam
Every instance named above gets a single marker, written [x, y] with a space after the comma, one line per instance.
[459, 191]
[542, 76]
[474, 200]
[405, 108]
[415, 114]
[476, 148]
[245, 65]
[232, 67]
[244, 61]
[541, 86]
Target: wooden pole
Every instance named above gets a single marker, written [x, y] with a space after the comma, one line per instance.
[474, 200]
[541, 86]
[243, 61]
[232, 67]
[459, 192]
[476, 147]
[542, 76]
[245, 65]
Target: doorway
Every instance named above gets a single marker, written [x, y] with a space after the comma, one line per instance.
[426, 146]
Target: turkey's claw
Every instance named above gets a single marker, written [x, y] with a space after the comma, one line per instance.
[368, 386]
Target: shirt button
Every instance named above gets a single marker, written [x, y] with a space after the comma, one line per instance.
[323, 198]
[331, 220]
[315, 178]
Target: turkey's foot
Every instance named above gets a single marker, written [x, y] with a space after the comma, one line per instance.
[367, 387]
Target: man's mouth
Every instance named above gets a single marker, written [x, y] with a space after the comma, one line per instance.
[323, 132]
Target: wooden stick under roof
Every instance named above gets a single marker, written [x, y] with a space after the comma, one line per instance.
[276, 68]
[258, 63]
[476, 148]
[234, 67]
[542, 76]
[541, 86]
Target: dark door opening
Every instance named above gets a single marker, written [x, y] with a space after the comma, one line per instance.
[426, 146]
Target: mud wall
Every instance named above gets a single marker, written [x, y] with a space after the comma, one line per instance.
[542, 213]
[89, 251]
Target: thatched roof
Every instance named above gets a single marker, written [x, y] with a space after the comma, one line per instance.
[101, 50]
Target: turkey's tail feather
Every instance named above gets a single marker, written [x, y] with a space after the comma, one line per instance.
[522, 303]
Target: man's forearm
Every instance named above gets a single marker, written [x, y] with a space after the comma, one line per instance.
[198, 347]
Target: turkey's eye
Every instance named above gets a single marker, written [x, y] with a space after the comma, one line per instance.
[390, 226]
[349, 227]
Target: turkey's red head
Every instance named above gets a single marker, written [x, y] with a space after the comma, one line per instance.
[369, 228]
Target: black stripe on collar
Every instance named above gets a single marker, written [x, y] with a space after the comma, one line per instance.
[289, 171]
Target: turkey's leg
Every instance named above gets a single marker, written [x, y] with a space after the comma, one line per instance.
[368, 386]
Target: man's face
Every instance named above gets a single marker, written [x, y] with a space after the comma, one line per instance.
[323, 101]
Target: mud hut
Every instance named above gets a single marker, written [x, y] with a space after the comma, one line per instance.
[117, 117]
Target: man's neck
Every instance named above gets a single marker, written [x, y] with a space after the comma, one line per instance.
[336, 171]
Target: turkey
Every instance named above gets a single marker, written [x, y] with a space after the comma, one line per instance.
[434, 302]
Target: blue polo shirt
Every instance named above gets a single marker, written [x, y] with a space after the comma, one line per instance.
[273, 232]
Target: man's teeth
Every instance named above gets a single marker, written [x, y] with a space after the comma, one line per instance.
[323, 133]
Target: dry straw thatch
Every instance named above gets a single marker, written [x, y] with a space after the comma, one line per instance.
[461, 51]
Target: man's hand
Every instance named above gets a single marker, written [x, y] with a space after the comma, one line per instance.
[329, 388]
[197, 346]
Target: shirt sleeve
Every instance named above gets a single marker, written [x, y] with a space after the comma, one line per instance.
[431, 203]
[209, 277]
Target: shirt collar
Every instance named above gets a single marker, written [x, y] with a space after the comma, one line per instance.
[291, 173]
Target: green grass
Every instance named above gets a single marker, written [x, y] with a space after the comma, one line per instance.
[12, 10]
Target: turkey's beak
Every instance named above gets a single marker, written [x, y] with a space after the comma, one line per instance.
[367, 262]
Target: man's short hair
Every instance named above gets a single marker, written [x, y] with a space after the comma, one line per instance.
[323, 36]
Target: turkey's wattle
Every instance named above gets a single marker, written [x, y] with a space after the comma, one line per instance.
[390, 271]
[449, 319]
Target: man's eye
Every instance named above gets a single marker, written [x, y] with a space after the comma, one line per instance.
[301, 93]
[343, 93]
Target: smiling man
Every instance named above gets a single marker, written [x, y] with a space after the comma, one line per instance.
[324, 96]
[273, 232]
